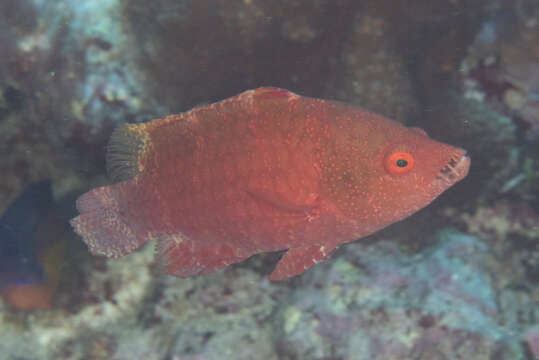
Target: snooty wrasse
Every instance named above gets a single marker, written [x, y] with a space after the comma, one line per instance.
[262, 171]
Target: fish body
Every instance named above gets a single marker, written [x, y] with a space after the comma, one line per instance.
[18, 247]
[26, 279]
[263, 171]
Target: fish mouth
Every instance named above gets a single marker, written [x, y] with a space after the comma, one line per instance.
[456, 168]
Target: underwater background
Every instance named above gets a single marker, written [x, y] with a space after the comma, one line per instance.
[457, 280]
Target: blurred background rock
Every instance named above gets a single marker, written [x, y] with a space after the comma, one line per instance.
[467, 71]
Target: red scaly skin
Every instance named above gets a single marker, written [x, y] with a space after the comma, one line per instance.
[265, 170]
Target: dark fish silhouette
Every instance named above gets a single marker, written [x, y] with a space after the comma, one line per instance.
[18, 249]
[30, 253]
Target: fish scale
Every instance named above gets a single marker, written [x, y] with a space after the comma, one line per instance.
[265, 170]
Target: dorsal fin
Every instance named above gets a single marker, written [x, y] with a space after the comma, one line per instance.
[124, 150]
[271, 93]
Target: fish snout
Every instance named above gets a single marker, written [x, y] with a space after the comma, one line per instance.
[455, 169]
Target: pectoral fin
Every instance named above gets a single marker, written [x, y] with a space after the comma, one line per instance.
[297, 260]
[285, 202]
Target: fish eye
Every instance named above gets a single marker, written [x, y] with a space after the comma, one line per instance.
[399, 162]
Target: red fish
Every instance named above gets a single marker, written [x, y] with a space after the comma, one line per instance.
[265, 170]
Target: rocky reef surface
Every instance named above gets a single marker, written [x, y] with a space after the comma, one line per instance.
[458, 280]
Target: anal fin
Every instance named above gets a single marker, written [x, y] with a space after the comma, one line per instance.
[180, 256]
[297, 260]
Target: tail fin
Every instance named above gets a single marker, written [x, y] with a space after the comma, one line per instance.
[103, 226]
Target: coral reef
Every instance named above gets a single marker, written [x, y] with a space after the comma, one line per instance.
[373, 300]
[234, 45]
[466, 71]
[371, 72]
[488, 100]
[108, 301]
[65, 82]
[377, 303]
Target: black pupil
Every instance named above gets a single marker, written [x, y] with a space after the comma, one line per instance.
[402, 163]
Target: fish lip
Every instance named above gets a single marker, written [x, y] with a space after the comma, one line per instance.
[455, 169]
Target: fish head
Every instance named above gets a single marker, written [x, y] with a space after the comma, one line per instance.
[411, 170]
